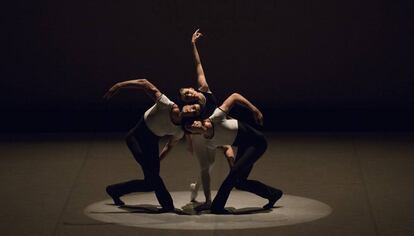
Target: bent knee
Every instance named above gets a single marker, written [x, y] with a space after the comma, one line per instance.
[279, 192]
[240, 185]
[129, 138]
[261, 144]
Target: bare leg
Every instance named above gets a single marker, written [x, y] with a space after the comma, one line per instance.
[206, 158]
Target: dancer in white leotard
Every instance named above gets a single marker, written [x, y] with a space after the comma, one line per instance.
[201, 102]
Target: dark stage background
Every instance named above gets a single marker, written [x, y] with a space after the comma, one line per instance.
[309, 65]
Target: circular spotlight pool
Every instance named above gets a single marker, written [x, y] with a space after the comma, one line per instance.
[246, 209]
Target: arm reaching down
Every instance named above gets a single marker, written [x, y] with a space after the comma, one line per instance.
[229, 154]
[144, 84]
[237, 98]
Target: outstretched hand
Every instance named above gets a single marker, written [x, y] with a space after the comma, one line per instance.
[196, 35]
[111, 92]
[258, 117]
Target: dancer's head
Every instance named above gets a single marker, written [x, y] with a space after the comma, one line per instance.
[191, 110]
[189, 95]
[197, 126]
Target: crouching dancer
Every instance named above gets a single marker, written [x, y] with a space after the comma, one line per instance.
[162, 119]
[251, 143]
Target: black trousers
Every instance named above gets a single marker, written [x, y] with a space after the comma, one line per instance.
[251, 145]
[143, 145]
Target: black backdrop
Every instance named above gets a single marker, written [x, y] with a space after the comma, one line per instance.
[309, 65]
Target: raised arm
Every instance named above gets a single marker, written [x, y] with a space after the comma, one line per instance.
[237, 98]
[144, 84]
[201, 78]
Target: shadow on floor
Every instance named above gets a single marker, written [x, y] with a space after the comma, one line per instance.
[185, 210]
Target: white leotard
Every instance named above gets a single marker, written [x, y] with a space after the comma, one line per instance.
[158, 119]
[203, 151]
[225, 129]
[206, 157]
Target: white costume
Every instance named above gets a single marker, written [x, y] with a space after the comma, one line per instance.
[205, 149]
[158, 119]
[206, 157]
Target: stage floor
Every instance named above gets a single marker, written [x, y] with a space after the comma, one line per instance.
[49, 180]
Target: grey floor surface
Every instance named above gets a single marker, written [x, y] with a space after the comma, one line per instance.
[48, 179]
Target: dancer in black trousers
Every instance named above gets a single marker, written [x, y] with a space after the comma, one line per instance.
[251, 145]
[162, 119]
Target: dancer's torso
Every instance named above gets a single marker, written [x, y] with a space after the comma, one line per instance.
[229, 131]
[225, 129]
[210, 106]
[158, 119]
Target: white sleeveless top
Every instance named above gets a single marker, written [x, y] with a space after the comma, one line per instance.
[158, 119]
[225, 129]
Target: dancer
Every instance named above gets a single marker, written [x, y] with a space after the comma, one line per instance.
[201, 100]
[205, 154]
[202, 104]
[251, 145]
[162, 119]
